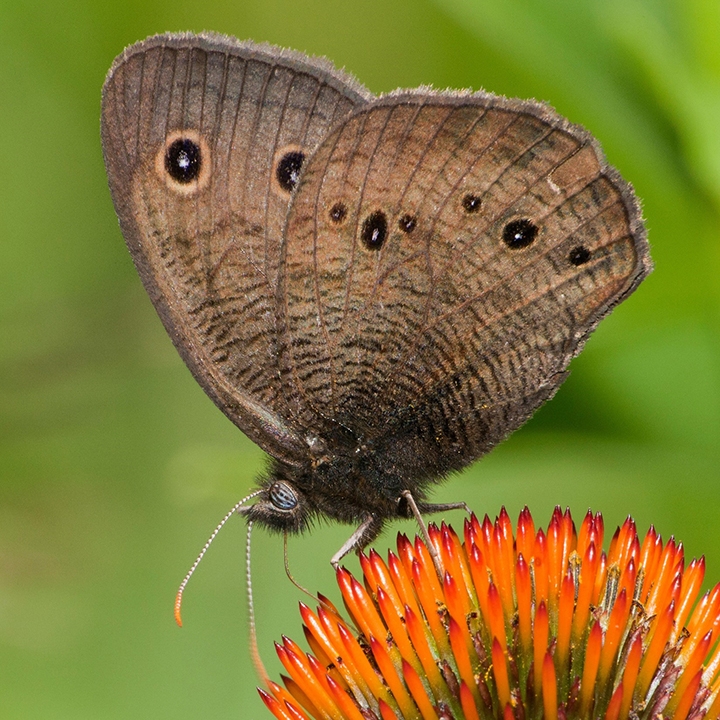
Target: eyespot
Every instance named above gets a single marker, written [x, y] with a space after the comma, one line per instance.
[183, 162]
[338, 212]
[283, 496]
[407, 223]
[579, 255]
[374, 230]
[288, 169]
[471, 203]
[519, 233]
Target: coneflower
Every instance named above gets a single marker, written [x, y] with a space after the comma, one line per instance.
[536, 624]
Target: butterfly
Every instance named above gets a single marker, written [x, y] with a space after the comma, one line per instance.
[375, 290]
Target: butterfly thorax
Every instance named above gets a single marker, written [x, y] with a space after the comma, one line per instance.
[353, 478]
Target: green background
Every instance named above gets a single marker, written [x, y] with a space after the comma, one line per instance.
[114, 466]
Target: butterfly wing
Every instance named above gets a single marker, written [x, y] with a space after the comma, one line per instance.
[203, 138]
[445, 258]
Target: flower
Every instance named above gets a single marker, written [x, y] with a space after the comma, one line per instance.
[533, 625]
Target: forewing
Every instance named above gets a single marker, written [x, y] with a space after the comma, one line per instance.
[450, 326]
[208, 250]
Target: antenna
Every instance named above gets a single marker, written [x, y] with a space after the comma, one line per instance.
[254, 649]
[236, 509]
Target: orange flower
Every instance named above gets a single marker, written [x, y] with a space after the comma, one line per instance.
[533, 625]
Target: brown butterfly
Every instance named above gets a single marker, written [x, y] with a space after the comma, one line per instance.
[376, 290]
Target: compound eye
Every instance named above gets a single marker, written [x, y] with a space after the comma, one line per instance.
[283, 496]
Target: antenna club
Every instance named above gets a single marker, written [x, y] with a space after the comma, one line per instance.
[176, 612]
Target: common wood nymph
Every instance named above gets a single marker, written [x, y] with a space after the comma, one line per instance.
[376, 290]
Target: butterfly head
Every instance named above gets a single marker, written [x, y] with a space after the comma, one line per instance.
[280, 506]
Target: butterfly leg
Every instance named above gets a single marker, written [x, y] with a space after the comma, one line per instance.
[431, 508]
[365, 533]
[417, 513]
